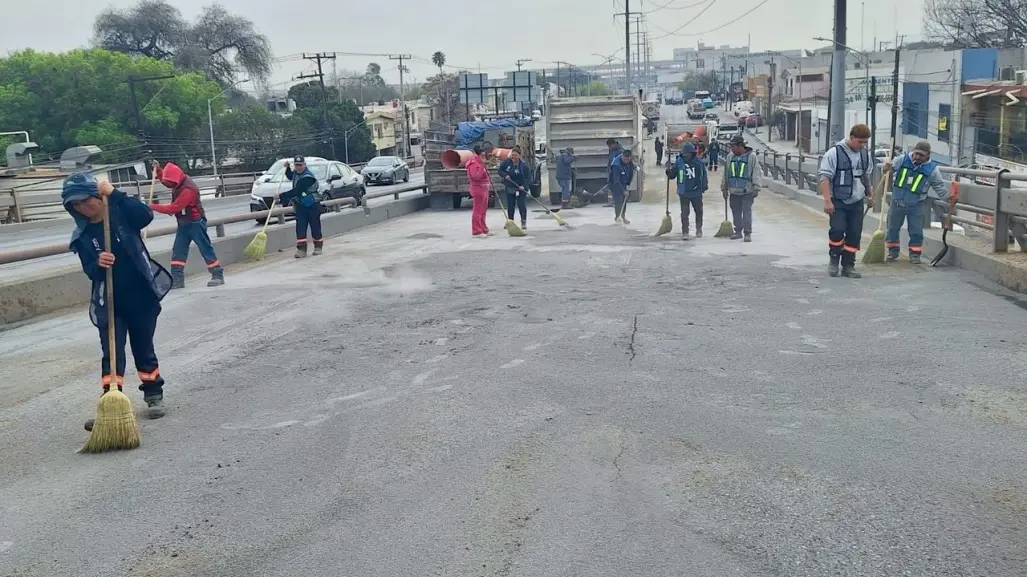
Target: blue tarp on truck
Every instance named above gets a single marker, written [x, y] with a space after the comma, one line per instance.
[469, 132]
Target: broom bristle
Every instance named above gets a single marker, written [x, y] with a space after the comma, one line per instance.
[725, 229]
[559, 219]
[255, 250]
[875, 251]
[115, 427]
[666, 225]
[513, 229]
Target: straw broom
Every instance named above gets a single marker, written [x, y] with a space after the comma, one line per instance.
[512, 228]
[258, 246]
[667, 224]
[115, 426]
[875, 252]
[559, 219]
[726, 228]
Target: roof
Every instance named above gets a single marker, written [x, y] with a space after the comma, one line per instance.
[379, 114]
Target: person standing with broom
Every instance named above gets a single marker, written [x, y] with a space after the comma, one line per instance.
[740, 186]
[915, 174]
[306, 202]
[622, 171]
[692, 182]
[516, 175]
[845, 173]
[192, 224]
[139, 282]
[479, 179]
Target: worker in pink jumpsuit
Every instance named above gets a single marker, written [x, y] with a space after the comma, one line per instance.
[479, 179]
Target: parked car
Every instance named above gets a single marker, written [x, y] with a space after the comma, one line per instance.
[278, 165]
[753, 120]
[712, 116]
[335, 179]
[386, 170]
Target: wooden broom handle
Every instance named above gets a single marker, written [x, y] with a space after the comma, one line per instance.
[112, 353]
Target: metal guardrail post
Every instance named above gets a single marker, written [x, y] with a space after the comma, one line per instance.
[801, 174]
[219, 230]
[788, 175]
[1001, 219]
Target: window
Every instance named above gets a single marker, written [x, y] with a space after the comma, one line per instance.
[700, 63]
[911, 120]
[944, 111]
[334, 170]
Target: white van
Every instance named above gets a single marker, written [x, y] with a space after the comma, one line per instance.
[743, 108]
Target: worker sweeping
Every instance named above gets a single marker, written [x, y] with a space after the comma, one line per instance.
[845, 173]
[915, 175]
[741, 185]
[614, 150]
[306, 203]
[659, 151]
[713, 153]
[564, 171]
[692, 182]
[622, 171]
[479, 179]
[516, 175]
[187, 208]
[138, 281]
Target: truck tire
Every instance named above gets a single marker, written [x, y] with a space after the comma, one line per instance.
[458, 201]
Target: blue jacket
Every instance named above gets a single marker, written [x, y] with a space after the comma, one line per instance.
[691, 175]
[563, 165]
[515, 175]
[128, 216]
[911, 181]
[305, 188]
[616, 151]
[620, 175]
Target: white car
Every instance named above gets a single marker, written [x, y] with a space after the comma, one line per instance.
[335, 179]
[277, 166]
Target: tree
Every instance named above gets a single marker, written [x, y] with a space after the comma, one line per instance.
[220, 44]
[700, 81]
[308, 94]
[341, 117]
[444, 89]
[258, 138]
[976, 24]
[596, 88]
[438, 59]
[83, 97]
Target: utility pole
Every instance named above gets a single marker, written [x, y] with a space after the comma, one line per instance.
[895, 101]
[522, 61]
[320, 58]
[838, 73]
[627, 46]
[770, 98]
[403, 98]
[955, 130]
[873, 114]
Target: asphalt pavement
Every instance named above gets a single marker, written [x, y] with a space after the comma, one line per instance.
[591, 401]
[59, 231]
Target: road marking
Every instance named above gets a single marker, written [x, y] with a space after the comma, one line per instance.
[512, 364]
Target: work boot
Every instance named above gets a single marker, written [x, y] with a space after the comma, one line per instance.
[892, 256]
[914, 259]
[155, 407]
[301, 252]
[524, 225]
[217, 277]
[735, 236]
[684, 235]
[318, 248]
[832, 267]
[698, 232]
[177, 277]
[565, 204]
[747, 238]
[625, 219]
[850, 271]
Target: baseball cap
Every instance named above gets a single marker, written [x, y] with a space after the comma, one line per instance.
[298, 159]
[923, 146]
[737, 140]
[78, 186]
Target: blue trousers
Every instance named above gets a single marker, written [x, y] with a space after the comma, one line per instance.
[565, 189]
[620, 208]
[193, 232]
[134, 322]
[308, 217]
[913, 216]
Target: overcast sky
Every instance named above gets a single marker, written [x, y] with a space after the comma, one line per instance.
[542, 30]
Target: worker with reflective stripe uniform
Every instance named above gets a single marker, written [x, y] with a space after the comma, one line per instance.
[844, 183]
[305, 197]
[915, 175]
[741, 185]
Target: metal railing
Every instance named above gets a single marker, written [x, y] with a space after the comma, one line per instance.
[993, 195]
[217, 223]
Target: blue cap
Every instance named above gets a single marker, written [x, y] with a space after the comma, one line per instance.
[79, 186]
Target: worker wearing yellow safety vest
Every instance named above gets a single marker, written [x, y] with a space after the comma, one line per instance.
[914, 175]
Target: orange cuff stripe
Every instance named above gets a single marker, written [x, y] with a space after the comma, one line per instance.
[301, 241]
[892, 244]
[107, 380]
[851, 249]
[151, 376]
[916, 248]
[213, 264]
[836, 242]
[178, 263]
[318, 239]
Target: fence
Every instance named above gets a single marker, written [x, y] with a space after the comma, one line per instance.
[1000, 205]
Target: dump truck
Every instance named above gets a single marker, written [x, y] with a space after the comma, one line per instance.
[448, 187]
[651, 109]
[677, 133]
[585, 123]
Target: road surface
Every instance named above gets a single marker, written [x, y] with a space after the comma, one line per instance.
[59, 231]
[579, 402]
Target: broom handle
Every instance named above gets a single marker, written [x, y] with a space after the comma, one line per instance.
[668, 197]
[269, 210]
[153, 184]
[725, 209]
[112, 351]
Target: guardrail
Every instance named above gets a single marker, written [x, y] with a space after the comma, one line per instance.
[217, 223]
[989, 194]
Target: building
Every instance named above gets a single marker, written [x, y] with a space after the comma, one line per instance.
[384, 128]
[704, 58]
[992, 132]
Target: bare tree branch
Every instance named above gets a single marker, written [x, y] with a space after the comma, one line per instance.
[976, 23]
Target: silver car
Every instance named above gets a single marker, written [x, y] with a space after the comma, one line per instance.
[386, 170]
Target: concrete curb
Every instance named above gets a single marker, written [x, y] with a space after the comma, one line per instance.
[67, 287]
[994, 269]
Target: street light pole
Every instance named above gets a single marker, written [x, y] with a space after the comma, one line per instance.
[210, 124]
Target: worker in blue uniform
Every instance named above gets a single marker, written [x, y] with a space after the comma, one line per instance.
[305, 197]
[692, 182]
[915, 174]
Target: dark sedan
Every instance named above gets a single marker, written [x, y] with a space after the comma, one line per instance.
[386, 170]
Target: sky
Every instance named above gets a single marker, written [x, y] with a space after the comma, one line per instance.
[545, 31]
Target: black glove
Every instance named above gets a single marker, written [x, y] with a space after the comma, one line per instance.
[670, 172]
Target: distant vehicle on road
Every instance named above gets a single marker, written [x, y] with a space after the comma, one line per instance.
[753, 120]
[536, 115]
[712, 117]
[335, 180]
[386, 170]
[703, 96]
[727, 130]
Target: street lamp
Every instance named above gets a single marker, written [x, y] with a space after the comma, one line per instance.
[210, 122]
[865, 57]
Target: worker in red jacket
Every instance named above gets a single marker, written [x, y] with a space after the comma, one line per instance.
[192, 224]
